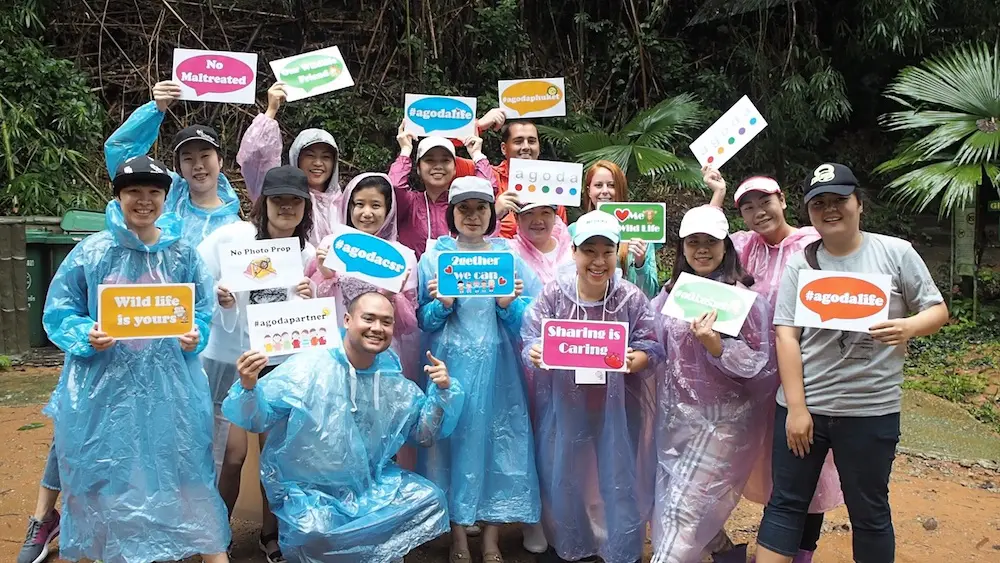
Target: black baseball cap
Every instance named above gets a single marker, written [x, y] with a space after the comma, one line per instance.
[286, 180]
[141, 170]
[829, 178]
[196, 133]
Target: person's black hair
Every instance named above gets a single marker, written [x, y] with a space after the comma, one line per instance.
[505, 128]
[376, 182]
[810, 250]
[258, 218]
[450, 219]
[729, 272]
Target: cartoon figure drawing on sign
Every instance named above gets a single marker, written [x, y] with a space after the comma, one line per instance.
[181, 313]
[260, 269]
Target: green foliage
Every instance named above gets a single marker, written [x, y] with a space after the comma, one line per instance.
[5, 363]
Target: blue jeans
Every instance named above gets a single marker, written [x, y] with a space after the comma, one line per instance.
[863, 450]
[50, 476]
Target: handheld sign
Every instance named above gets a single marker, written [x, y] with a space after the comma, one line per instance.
[475, 274]
[546, 181]
[261, 264]
[589, 347]
[156, 310]
[643, 221]
[366, 257]
[728, 134]
[290, 327]
[314, 73]
[694, 296]
[842, 300]
[541, 97]
[447, 116]
[216, 76]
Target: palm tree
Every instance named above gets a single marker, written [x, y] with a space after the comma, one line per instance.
[643, 146]
[957, 97]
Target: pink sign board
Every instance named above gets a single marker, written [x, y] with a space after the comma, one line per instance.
[572, 344]
[216, 76]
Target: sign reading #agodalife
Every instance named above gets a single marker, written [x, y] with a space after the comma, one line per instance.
[643, 221]
[216, 76]
[475, 274]
[313, 73]
[368, 258]
[842, 300]
[447, 116]
[534, 97]
[546, 181]
[694, 296]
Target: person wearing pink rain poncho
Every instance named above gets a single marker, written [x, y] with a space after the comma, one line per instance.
[712, 401]
[763, 252]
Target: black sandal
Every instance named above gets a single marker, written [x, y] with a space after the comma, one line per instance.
[273, 556]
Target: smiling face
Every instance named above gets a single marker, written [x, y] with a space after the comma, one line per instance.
[437, 168]
[141, 205]
[601, 187]
[522, 142]
[200, 164]
[285, 212]
[595, 261]
[763, 213]
[318, 162]
[704, 253]
[368, 209]
[835, 215]
[369, 323]
[535, 225]
[472, 217]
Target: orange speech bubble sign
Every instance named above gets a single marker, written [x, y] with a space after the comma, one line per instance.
[841, 297]
[531, 95]
[146, 310]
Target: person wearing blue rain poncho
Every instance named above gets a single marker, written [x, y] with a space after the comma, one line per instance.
[336, 417]
[487, 467]
[200, 193]
[133, 419]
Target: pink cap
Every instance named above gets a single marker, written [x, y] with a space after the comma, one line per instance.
[756, 184]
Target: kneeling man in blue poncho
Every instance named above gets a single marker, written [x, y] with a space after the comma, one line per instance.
[336, 417]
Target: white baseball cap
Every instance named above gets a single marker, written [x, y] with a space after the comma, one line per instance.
[428, 143]
[470, 187]
[596, 224]
[705, 219]
[536, 205]
[756, 184]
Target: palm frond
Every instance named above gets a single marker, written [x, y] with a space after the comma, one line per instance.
[584, 142]
[943, 137]
[651, 161]
[901, 120]
[688, 176]
[956, 185]
[979, 147]
[619, 154]
[966, 79]
[676, 114]
[558, 137]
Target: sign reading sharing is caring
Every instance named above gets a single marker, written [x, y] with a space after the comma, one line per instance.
[261, 264]
[368, 258]
[157, 310]
[546, 181]
[289, 327]
[842, 300]
[216, 76]
[535, 97]
[584, 345]
[313, 73]
[694, 296]
[447, 116]
[475, 274]
[643, 221]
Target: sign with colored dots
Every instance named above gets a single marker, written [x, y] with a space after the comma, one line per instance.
[546, 181]
[729, 134]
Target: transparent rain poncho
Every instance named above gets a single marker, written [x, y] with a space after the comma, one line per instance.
[133, 424]
[594, 443]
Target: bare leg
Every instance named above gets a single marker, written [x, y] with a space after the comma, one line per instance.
[765, 555]
[270, 523]
[491, 539]
[215, 558]
[45, 502]
[459, 541]
[232, 467]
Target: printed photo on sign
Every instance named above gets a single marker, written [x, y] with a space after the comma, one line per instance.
[368, 258]
[643, 221]
[475, 274]
[157, 310]
[446, 116]
[532, 97]
[737, 127]
[261, 264]
[584, 345]
[546, 181]
[694, 296]
[313, 73]
[842, 300]
[216, 76]
[280, 329]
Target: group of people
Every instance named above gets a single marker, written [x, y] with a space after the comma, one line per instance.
[436, 414]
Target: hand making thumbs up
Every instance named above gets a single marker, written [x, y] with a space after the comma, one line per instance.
[437, 371]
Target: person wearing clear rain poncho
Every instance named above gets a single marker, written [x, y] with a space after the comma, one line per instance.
[713, 398]
[133, 419]
[594, 442]
[336, 417]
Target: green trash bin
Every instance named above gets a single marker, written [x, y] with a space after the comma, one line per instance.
[37, 263]
[77, 224]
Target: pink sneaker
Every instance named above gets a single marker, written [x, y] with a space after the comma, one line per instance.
[36, 541]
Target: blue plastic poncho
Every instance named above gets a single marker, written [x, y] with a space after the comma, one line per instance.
[133, 424]
[594, 443]
[327, 465]
[134, 138]
[487, 467]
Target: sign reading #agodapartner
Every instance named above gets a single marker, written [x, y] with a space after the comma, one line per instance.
[475, 274]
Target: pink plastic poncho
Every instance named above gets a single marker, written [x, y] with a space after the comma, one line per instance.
[594, 443]
[710, 426]
[766, 263]
[545, 267]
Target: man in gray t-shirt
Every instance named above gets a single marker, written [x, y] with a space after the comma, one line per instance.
[851, 373]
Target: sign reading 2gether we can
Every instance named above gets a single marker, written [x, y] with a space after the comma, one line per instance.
[475, 274]
[314, 73]
[546, 181]
[447, 116]
[541, 97]
[842, 300]
[216, 76]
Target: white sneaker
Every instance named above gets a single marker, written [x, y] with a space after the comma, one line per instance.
[534, 538]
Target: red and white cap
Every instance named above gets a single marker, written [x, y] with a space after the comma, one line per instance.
[756, 184]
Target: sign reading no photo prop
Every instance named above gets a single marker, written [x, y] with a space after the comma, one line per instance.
[475, 274]
[312, 74]
[359, 255]
[446, 116]
[729, 134]
[842, 301]
[216, 76]
[546, 181]
[643, 221]
[158, 310]
[535, 97]
[261, 264]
